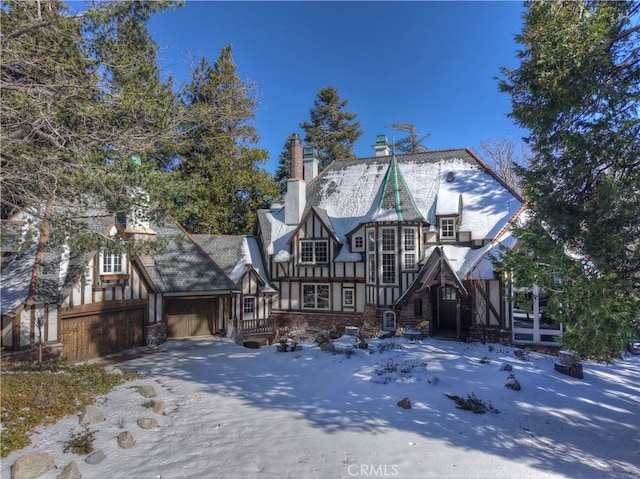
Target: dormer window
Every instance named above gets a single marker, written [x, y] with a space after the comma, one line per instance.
[314, 252]
[358, 243]
[447, 229]
[113, 263]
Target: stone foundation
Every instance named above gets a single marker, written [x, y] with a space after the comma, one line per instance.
[304, 326]
[156, 333]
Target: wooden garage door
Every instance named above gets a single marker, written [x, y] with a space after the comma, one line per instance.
[191, 317]
[99, 334]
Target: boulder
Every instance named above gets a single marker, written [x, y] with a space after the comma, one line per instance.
[330, 347]
[32, 465]
[95, 458]
[404, 403]
[506, 367]
[574, 370]
[158, 408]
[147, 423]
[512, 383]
[91, 415]
[126, 440]
[70, 471]
[147, 391]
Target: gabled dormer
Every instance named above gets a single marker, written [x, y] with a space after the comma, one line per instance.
[314, 242]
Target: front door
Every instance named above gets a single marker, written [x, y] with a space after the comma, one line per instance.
[444, 299]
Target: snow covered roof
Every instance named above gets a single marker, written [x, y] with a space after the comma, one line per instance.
[353, 192]
[235, 255]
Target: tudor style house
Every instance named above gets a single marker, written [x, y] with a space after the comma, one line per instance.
[394, 241]
[240, 258]
[96, 303]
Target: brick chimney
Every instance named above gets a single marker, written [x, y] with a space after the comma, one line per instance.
[295, 155]
[295, 198]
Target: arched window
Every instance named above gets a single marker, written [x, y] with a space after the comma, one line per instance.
[388, 321]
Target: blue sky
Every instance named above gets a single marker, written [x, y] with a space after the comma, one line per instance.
[432, 64]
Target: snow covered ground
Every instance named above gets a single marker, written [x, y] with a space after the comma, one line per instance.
[241, 413]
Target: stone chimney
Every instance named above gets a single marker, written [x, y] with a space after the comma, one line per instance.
[381, 146]
[295, 155]
[310, 162]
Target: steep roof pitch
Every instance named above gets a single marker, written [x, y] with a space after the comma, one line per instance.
[396, 202]
[351, 193]
[46, 272]
[183, 267]
[235, 255]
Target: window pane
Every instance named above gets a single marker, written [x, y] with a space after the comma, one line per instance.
[410, 261]
[358, 242]
[388, 240]
[249, 305]
[306, 251]
[388, 268]
[371, 241]
[321, 252]
[117, 263]
[309, 296]
[323, 296]
[448, 293]
[107, 263]
[389, 320]
[348, 297]
[372, 267]
[447, 228]
[409, 239]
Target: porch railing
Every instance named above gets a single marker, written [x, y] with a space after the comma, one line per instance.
[252, 326]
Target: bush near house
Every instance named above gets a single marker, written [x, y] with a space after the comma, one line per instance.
[34, 395]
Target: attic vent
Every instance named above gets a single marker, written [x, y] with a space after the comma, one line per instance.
[450, 177]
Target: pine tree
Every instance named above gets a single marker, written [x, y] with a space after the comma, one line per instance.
[331, 131]
[283, 173]
[412, 143]
[79, 98]
[577, 91]
[218, 164]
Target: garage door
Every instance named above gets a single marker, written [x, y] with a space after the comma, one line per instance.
[104, 333]
[191, 317]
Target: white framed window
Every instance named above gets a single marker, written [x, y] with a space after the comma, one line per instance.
[409, 244]
[371, 240]
[371, 257]
[358, 243]
[388, 245]
[388, 321]
[348, 297]
[315, 296]
[314, 251]
[112, 263]
[371, 268]
[447, 229]
[249, 307]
